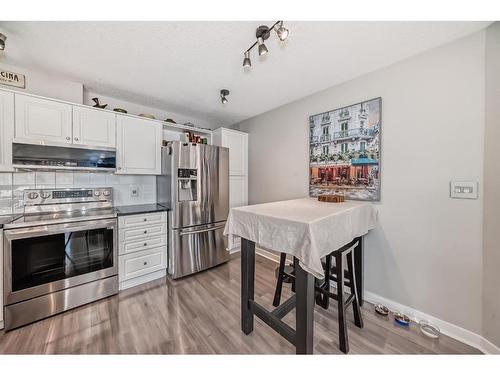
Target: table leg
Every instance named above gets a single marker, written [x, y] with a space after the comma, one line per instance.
[304, 310]
[359, 270]
[247, 284]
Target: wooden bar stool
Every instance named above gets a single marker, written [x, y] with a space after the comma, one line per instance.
[342, 278]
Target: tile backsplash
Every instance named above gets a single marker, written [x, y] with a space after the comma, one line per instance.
[13, 184]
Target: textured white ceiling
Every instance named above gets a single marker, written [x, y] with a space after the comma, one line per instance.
[181, 66]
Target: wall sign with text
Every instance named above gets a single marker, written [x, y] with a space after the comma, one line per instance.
[12, 79]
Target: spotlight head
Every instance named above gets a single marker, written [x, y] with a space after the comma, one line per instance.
[223, 94]
[282, 32]
[3, 38]
[247, 63]
[262, 47]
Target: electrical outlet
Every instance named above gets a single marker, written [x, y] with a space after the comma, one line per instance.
[134, 191]
[463, 189]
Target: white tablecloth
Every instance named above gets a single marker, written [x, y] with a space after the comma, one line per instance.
[305, 228]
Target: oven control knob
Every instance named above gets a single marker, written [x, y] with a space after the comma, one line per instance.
[45, 195]
[106, 193]
[33, 195]
[97, 193]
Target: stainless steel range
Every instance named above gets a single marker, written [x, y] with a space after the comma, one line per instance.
[62, 253]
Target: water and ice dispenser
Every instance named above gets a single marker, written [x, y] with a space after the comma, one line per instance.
[187, 184]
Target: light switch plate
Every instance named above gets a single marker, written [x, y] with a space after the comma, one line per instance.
[134, 191]
[463, 189]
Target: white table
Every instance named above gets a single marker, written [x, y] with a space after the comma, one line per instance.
[309, 230]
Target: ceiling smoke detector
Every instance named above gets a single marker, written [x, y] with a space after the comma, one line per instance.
[223, 94]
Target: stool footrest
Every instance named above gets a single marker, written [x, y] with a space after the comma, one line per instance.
[274, 322]
[285, 307]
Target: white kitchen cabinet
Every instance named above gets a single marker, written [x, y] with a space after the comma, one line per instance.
[6, 130]
[237, 142]
[42, 120]
[93, 127]
[238, 194]
[142, 248]
[138, 146]
[1, 278]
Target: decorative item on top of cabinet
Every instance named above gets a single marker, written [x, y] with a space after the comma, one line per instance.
[6, 130]
[138, 145]
[97, 104]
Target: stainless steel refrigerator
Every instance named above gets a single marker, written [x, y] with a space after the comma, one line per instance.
[195, 185]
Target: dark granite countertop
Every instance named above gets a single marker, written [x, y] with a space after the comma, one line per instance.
[139, 209]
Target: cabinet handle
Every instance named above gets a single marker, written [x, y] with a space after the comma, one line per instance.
[145, 219]
[145, 231]
[145, 244]
[68, 138]
[119, 168]
[145, 263]
[76, 139]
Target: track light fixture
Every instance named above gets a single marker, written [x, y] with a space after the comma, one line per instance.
[262, 33]
[3, 38]
[223, 94]
[246, 61]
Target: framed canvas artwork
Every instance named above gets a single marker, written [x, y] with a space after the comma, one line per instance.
[344, 151]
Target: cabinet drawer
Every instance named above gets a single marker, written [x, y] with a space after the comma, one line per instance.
[141, 263]
[142, 219]
[143, 232]
[147, 243]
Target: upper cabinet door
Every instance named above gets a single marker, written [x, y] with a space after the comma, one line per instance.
[237, 142]
[138, 146]
[93, 127]
[42, 120]
[6, 130]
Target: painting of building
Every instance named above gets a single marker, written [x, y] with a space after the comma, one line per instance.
[344, 149]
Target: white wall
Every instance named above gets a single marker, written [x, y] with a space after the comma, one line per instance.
[47, 85]
[491, 275]
[427, 250]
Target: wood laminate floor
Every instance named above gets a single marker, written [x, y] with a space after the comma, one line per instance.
[201, 314]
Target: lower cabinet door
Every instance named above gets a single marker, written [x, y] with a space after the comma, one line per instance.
[141, 263]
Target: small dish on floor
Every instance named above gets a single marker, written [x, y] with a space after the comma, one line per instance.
[381, 309]
[402, 319]
[429, 330]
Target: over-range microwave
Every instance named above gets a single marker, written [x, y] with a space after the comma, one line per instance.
[36, 156]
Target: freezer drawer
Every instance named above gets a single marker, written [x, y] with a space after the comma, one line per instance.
[196, 248]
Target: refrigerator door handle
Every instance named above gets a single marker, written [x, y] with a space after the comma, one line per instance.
[187, 233]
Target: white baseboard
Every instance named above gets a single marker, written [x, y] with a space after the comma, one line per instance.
[449, 329]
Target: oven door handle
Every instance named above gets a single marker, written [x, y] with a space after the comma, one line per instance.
[187, 233]
[46, 230]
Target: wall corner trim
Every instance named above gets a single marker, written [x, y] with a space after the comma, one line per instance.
[449, 329]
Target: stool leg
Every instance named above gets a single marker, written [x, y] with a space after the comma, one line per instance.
[323, 300]
[279, 282]
[343, 340]
[358, 320]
